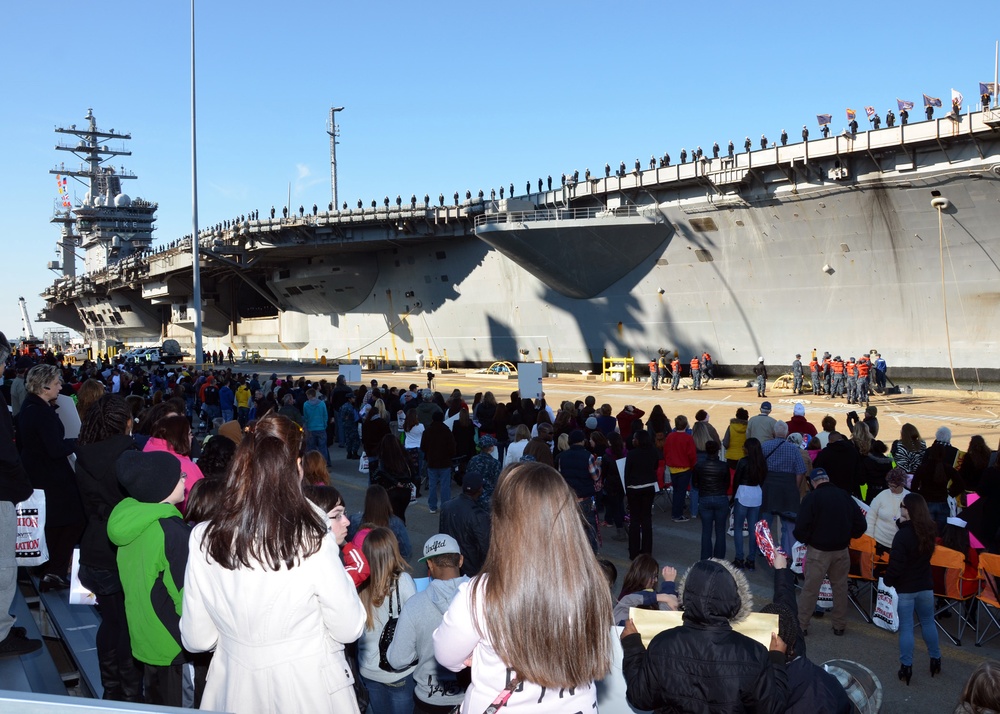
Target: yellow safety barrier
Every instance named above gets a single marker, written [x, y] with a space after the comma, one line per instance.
[624, 366]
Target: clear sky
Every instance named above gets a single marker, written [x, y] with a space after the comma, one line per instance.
[438, 96]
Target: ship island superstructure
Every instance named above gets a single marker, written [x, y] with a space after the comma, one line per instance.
[876, 238]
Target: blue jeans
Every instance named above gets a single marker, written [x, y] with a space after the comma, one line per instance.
[760, 385]
[939, 514]
[750, 513]
[923, 604]
[212, 411]
[714, 515]
[787, 526]
[694, 502]
[437, 479]
[391, 697]
[680, 481]
[316, 441]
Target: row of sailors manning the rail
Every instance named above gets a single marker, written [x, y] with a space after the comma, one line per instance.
[696, 154]
[832, 376]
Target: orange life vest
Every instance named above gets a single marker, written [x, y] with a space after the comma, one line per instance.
[814, 366]
[850, 369]
[838, 366]
[675, 365]
[863, 367]
[695, 364]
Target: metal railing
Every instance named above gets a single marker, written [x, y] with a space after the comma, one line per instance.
[564, 214]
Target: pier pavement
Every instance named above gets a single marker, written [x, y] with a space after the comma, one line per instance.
[678, 544]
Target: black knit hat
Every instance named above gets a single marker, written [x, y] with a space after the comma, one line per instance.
[148, 477]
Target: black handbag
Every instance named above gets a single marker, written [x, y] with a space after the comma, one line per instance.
[360, 690]
[389, 631]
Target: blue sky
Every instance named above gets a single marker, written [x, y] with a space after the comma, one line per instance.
[439, 96]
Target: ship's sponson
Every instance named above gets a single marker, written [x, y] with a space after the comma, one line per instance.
[832, 244]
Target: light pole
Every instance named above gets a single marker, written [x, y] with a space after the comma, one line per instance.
[195, 262]
[334, 131]
[940, 203]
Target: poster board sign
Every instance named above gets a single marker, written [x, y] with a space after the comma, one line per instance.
[529, 380]
[351, 373]
[650, 623]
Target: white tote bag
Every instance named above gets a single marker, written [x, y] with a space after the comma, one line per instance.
[886, 613]
[30, 548]
[798, 558]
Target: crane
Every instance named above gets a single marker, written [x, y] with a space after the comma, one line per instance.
[26, 326]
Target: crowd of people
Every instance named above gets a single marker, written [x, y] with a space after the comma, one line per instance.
[232, 575]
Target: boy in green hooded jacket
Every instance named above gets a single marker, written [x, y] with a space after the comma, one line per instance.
[152, 541]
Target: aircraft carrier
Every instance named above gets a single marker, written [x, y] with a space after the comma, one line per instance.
[886, 239]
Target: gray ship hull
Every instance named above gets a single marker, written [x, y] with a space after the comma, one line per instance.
[832, 245]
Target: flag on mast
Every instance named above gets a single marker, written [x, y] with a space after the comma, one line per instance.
[824, 119]
[931, 101]
[904, 105]
[957, 99]
[851, 115]
[870, 111]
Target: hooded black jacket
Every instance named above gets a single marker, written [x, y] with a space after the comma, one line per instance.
[99, 488]
[469, 523]
[704, 666]
[15, 486]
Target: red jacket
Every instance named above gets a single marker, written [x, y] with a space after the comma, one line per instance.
[799, 425]
[679, 451]
[625, 419]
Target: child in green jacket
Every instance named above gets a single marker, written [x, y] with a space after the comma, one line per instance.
[152, 541]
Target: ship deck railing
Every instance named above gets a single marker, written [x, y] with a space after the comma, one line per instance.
[560, 214]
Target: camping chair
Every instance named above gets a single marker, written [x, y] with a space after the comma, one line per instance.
[664, 497]
[862, 574]
[989, 597]
[948, 567]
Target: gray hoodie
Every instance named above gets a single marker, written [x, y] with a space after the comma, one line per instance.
[414, 639]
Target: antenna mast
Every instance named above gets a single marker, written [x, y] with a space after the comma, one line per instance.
[334, 131]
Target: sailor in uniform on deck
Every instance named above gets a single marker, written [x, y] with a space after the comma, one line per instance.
[797, 375]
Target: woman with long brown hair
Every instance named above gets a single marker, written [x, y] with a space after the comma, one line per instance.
[393, 474]
[106, 433]
[909, 572]
[173, 435]
[535, 621]
[908, 449]
[265, 588]
[373, 428]
[378, 514]
[87, 395]
[383, 595]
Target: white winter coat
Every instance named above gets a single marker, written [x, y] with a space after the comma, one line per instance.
[278, 635]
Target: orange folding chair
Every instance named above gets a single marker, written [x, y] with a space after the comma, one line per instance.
[948, 567]
[862, 576]
[988, 597]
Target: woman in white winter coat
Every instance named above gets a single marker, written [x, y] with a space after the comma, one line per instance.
[265, 588]
[537, 613]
